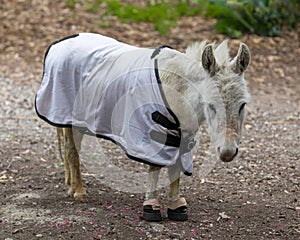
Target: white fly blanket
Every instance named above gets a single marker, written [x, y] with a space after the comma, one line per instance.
[111, 90]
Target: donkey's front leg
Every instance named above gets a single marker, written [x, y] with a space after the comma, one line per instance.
[177, 207]
[72, 145]
[151, 206]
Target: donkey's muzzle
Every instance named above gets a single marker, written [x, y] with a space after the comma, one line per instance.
[227, 155]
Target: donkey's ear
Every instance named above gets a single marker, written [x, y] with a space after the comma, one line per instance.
[208, 60]
[242, 59]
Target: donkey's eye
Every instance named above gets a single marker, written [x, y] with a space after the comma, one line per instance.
[212, 109]
[242, 107]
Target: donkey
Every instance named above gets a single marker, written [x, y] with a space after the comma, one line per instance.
[203, 83]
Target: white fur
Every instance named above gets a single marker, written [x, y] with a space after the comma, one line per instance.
[190, 89]
[197, 91]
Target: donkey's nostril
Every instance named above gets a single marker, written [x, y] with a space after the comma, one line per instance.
[228, 155]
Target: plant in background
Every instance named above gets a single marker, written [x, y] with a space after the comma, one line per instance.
[71, 4]
[262, 17]
[234, 17]
[163, 14]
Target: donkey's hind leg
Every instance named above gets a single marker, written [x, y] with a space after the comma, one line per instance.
[177, 206]
[151, 206]
[72, 145]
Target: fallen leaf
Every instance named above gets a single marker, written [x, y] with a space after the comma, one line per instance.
[259, 79]
[3, 177]
[58, 164]
[223, 215]
[43, 160]
[25, 152]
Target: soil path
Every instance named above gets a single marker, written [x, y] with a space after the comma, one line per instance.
[255, 197]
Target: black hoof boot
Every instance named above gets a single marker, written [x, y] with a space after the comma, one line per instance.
[178, 214]
[151, 215]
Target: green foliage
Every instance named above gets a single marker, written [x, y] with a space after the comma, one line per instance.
[234, 17]
[71, 3]
[163, 14]
[262, 17]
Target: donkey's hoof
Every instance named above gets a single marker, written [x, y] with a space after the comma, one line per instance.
[71, 192]
[80, 197]
[177, 210]
[151, 215]
[178, 214]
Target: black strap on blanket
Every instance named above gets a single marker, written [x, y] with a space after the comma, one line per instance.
[164, 121]
[157, 50]
[185, 144]
[165, 139]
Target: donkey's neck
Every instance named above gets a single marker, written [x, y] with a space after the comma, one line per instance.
[181, 80]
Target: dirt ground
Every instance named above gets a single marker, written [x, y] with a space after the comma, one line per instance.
[255, 197]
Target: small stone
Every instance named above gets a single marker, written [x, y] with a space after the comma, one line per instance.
[157, 227]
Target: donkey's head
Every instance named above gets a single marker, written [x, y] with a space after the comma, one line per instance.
[225, 97]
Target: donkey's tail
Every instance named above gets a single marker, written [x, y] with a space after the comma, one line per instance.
[60, 135]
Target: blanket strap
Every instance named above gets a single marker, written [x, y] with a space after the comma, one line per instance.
[157, 50]
[185, 144]
[164, 121]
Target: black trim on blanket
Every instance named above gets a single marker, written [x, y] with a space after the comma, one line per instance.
[57, 41]
[48, 121]
[122, 147]
[88, 132]
[187, 173]
[65, 38]
[163, 93]
[157, 50]
[48, 49]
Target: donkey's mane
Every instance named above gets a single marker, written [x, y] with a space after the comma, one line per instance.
[226, 80]
[221, 52]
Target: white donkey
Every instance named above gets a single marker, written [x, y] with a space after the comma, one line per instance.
[149, 101]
